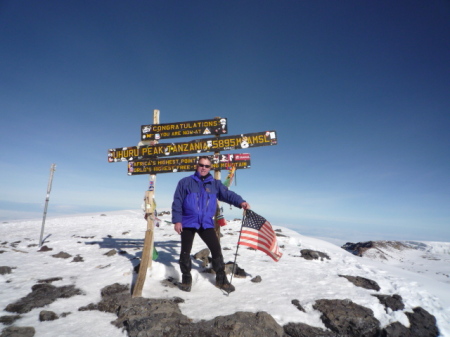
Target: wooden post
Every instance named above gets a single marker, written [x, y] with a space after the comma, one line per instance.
[216, 224]
[147, 251]
[217, 176]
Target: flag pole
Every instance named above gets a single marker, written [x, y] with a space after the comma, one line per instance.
[237, 248]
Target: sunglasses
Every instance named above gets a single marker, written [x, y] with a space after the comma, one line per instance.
[203, 165]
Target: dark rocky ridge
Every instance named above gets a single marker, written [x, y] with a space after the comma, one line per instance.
[158, 317]
[360, 248]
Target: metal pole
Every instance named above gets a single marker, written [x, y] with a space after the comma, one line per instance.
[237, 248]
[49, 188]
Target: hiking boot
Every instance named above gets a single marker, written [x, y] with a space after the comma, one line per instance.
[186, 282]
[221, 278]
[222, 282]
[185, 267]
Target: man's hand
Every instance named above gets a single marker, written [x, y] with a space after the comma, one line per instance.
[178, 227]
[245, 205]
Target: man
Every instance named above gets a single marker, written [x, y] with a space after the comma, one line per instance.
[193, 210]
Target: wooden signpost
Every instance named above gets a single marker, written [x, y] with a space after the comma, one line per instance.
[151, 157]
[147, 251]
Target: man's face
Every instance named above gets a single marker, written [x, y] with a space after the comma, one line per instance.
[203, 167]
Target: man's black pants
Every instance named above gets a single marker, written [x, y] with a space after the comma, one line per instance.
[207, 235]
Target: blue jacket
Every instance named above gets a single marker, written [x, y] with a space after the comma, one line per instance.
[195, 201]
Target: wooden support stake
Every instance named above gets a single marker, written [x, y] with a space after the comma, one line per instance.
[216, 223]
[147, 251]
[217, 176]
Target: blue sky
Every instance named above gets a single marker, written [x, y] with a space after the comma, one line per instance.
[358, 92]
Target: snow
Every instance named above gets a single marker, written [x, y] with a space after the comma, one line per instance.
[420, 276]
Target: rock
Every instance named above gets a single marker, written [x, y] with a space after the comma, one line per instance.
[304, 330]
[281, 235]
[238, 324]
[5, 270]
[45, 249]
[9, 319]
[298, 305]
[238, 272]
[112, 252]
[50, 280]
[376, 248]
[359, 248]
[145, 317]
[16, 331]
[46, 315]
[162, 317]
[394, 302]
[396, 329]
[14, 244]
[178, 300]
[62, 255]
[422, 323]
[90, 306]
[347, 318]
[256, 279]
[362, 282]
[42, 295]
[155, 317]
[203, 256]
[78, 258]
[309, 254]
[113, 289]
[103, 267]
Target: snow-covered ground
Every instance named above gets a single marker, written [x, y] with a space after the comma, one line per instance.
[421, 277]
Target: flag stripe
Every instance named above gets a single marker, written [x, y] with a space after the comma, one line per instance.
[257, 233]
[254, 242]
[250, 235]
[274, 256]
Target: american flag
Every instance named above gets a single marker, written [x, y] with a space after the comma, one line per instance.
[257, 233]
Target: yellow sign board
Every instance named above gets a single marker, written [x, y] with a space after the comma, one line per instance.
[187, 164]
[243, 141]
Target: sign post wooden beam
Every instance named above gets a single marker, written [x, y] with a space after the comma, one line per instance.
[150, 209]
[216, 223]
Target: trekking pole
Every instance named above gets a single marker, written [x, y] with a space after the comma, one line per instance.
[237, 248]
